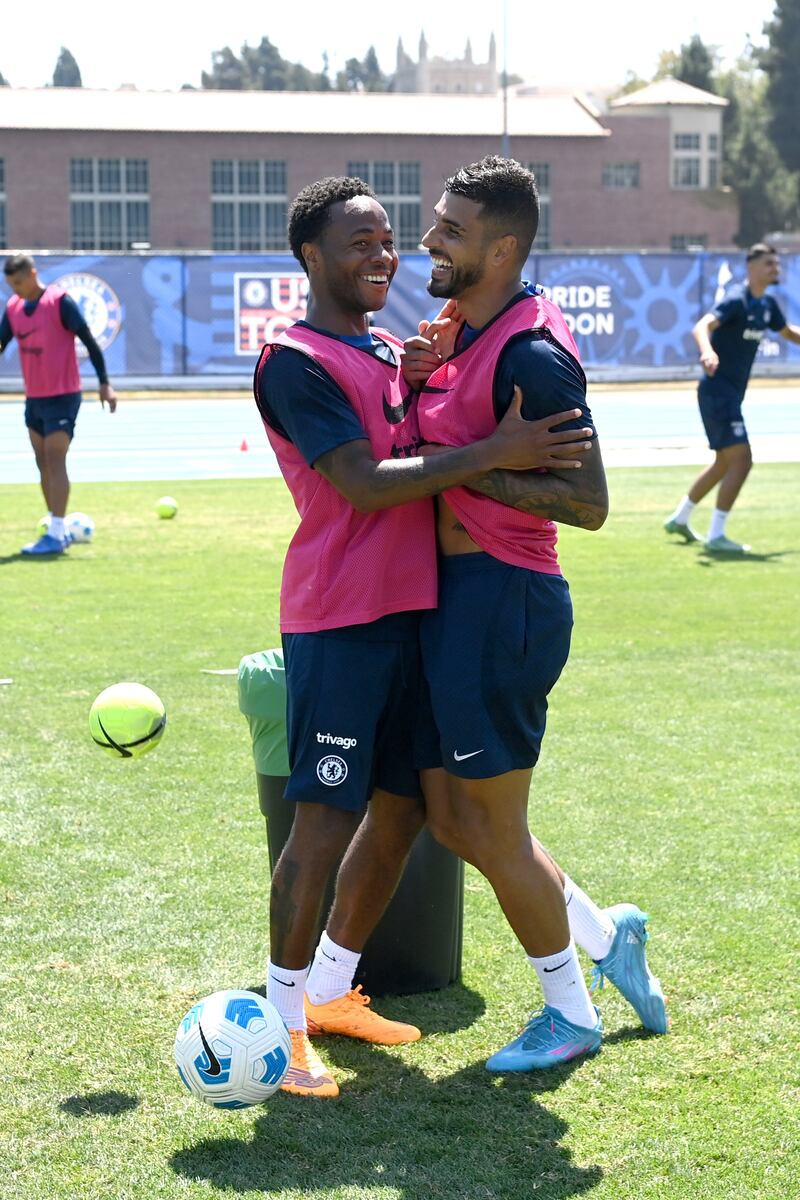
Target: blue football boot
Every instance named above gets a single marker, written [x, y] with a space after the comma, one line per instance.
[47, 544]
[548, 1040]
[626, 966]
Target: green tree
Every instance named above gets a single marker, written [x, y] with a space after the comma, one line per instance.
[781, 62]
[696, 64]
[766, 190]
[227, 72]
[261, 68]
[67, 72]
[363, 75]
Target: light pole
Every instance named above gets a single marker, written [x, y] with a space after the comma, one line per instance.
[505, 143]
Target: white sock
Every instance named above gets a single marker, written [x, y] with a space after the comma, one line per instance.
[56, 529]
[718, 519]
[332, 971]
[286, 989]
[564, 986]
[591, 928]
[683, 512]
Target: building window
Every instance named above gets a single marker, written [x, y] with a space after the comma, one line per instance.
[688, 241]
[713, 172]
[541, 173]
[685, 172]
[713, 143]
[109, 203]
[686, 141]
[3, 230]
[621, 176]
[248, 205]
[399, 189]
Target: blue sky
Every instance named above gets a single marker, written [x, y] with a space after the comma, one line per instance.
[157, 44]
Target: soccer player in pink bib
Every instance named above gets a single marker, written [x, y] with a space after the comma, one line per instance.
[45, 320]
[499, 638]
[361, 568]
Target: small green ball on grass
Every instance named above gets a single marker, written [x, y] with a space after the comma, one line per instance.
[127, 720]
[166, 507]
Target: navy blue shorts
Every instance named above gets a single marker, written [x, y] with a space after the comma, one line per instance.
[721, 411]
[491, 652]
[53, 414]
[351, 711]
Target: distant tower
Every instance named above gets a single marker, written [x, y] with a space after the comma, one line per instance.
[445, 75]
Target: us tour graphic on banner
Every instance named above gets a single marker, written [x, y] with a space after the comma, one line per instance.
[266, 303]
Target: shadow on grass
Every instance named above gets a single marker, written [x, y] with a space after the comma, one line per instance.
[99, 1104]
[7, 559]
[713, 558]
[446, 1011]
[470, 1134]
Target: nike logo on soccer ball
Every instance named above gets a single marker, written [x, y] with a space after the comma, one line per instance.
[214, 1065]
[549, 970]
[460, 757]
[281, 981]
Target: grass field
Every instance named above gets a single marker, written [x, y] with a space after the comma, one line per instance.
[129, 889]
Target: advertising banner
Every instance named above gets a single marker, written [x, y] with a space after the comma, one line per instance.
[162, 316]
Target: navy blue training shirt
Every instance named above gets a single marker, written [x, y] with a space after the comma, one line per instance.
[304, 404]
[550, 377]
[743, 321]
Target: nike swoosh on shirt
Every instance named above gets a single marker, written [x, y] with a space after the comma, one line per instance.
[214, 1065]
[21, 336]
[460, 757]
[396, 415]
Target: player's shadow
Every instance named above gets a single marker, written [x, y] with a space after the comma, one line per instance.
[7, 559]
[393, 1128]
[454, 1007]
[710, 558]
[99, 1104]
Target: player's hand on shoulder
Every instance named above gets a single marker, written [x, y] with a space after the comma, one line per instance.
[108, 397]
[540, 443]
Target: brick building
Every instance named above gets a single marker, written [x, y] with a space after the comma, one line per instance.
[114, 170]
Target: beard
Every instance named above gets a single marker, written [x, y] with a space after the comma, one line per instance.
[461, 278]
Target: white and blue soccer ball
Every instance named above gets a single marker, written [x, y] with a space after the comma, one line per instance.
[79, 526]
[232, 1049]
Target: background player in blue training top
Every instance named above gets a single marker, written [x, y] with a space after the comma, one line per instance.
[728, 338]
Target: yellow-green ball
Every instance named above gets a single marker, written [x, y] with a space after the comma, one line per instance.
[166, 507]
[127, 720]
[43, 526]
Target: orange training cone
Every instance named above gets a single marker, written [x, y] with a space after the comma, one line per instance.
[244, 445]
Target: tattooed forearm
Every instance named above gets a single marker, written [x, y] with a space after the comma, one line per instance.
[577, 498]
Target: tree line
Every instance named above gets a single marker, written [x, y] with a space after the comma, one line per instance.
[761, 130]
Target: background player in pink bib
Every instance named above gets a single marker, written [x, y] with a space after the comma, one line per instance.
[45, 321]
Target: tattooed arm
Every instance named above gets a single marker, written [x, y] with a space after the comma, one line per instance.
[570, 497]
[549, 379]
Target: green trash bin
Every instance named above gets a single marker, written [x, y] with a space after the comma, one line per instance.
[416, 947]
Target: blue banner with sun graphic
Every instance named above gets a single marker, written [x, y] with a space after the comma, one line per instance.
[163, 316]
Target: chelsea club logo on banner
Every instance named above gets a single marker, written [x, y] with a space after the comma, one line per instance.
[99, 304]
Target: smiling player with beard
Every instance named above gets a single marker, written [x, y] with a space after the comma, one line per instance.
[497, 642]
